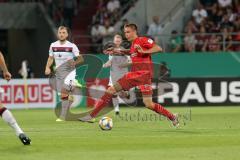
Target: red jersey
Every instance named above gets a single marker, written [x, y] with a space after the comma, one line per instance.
[140, 61]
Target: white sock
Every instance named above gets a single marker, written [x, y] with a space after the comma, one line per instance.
[115, 104]
[65, 106]
[8, 118]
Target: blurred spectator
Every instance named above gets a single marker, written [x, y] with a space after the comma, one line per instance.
[224, 3]
[113, 5]
[124, 22]
[189, 41]
[26, 70]
[202, 40]
[236, 39]
[108, 31]
[58, 15]
[217, 16]
[214, 43]
[237, 23]
[176, 42]
[237, 8]
[227, 40]
[210, 26]
[70, 8]
[155, 29]
[199, 14]
[191, 26]
[100, 4]
[97, 33]
[101, 15]
[212, 10]
[225, 22]
[208, 3]
[231, 15]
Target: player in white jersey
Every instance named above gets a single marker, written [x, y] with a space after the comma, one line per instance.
[66, 56]
[117, 70]
[5, 113]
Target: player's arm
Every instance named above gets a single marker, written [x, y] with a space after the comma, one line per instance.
[4, 68]
[48, 65]
[79, 60]
[116, 51]
[154, 49]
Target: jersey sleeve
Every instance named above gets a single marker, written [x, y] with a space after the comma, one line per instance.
[147, 42]
[50, 51]
[75, 50]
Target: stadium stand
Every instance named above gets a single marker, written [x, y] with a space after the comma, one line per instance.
[214, 26]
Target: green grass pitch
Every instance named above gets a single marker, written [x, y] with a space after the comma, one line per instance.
[213, 133]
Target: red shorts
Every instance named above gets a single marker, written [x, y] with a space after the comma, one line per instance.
[140, 79]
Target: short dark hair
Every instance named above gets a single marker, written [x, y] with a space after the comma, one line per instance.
[64, 27]
[132, 26]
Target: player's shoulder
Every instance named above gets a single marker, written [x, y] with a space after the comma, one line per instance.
[55, 43]
[145, 39]
[71, 44]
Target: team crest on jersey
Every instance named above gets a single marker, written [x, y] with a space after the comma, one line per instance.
[150, 41]
[59, 55]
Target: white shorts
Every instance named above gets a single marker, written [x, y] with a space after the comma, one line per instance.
[114, 78]
[68, 83]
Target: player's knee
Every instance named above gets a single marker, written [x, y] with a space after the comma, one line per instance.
[111, 90]
[2, 109]
[148, 104]
[64, 96]
[114, 96]
[117, 87]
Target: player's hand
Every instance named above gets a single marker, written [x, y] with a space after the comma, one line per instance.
[117, 51]
[7, 75]
[109, 51]
[47, 71]
[105, 65]
[139, 49]
[72, 63]
[125, 65]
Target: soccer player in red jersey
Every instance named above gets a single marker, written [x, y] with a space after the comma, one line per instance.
[140, 75]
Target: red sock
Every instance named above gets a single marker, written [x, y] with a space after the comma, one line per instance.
[103, 102]
[161, 110]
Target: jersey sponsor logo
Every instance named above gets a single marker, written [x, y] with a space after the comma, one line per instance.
[62, 49]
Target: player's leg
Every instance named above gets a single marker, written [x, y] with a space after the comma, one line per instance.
[102, 102]
[66, 103]
[11, 121]
[112, 79]
[115, 104]
[158, 108]
[124, 83]
[105, 99]
[66, 87]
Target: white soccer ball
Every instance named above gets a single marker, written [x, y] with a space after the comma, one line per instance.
[106, 123]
